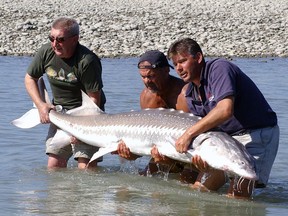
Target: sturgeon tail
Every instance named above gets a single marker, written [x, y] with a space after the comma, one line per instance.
[31, 118]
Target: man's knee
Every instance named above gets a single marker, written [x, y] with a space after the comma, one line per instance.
[55, 161]
[83, 163]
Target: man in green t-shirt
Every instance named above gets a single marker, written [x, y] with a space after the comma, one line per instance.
[70, 67]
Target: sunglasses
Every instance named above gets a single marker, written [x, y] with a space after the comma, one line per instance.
[59, 39]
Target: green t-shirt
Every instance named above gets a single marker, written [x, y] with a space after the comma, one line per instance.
[67, 77]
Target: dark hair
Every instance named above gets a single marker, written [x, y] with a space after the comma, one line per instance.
[184, 45]
[68, 24]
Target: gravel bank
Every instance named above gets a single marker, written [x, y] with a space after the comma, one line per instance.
[118, 28]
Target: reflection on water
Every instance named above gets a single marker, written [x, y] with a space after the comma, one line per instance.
[115, 188]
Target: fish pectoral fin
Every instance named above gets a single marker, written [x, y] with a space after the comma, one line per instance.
[103, 151]
[29, 120]
[61, 139]
[169, 145]
[166, 149]
[190, 153]
[171, 140]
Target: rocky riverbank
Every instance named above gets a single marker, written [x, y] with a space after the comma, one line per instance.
[118, 28]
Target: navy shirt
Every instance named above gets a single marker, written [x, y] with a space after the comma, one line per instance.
[221, 78]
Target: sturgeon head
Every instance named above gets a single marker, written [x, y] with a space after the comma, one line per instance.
[221, 151]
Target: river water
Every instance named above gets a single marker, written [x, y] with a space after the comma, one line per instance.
[115, 188]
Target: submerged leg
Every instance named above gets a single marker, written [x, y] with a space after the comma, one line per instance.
[83, 163]
[188, 175]
[54, 161]
[210, 181]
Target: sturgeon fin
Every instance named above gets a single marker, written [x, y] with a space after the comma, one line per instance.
[169, 150]
[88, 107]
[31, 118]
[167, 147]
[171, 140]
[60, 139]
[103, 151]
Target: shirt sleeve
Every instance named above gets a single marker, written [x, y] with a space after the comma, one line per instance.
[223, 80]
[91, 76]
[36, 68]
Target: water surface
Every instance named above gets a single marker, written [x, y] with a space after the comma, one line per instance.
[115, 188]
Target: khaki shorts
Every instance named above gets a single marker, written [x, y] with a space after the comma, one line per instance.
[262, 144]
[79, 150]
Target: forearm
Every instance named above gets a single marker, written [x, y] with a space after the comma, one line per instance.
[217, 116]
[33, 91]
[43, 107]
[95, 97]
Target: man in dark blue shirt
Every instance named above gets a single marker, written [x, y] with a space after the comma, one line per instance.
[228, 99]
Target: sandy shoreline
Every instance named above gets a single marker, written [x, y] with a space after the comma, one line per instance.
[246, 28]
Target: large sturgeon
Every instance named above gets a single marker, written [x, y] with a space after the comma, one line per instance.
[140, 130]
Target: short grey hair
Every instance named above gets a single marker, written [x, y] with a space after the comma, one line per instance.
[68, 24]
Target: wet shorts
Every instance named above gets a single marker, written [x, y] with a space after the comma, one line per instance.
[79, 150]
[262, 144]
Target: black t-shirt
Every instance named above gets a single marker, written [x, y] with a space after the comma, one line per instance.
[67, 77]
